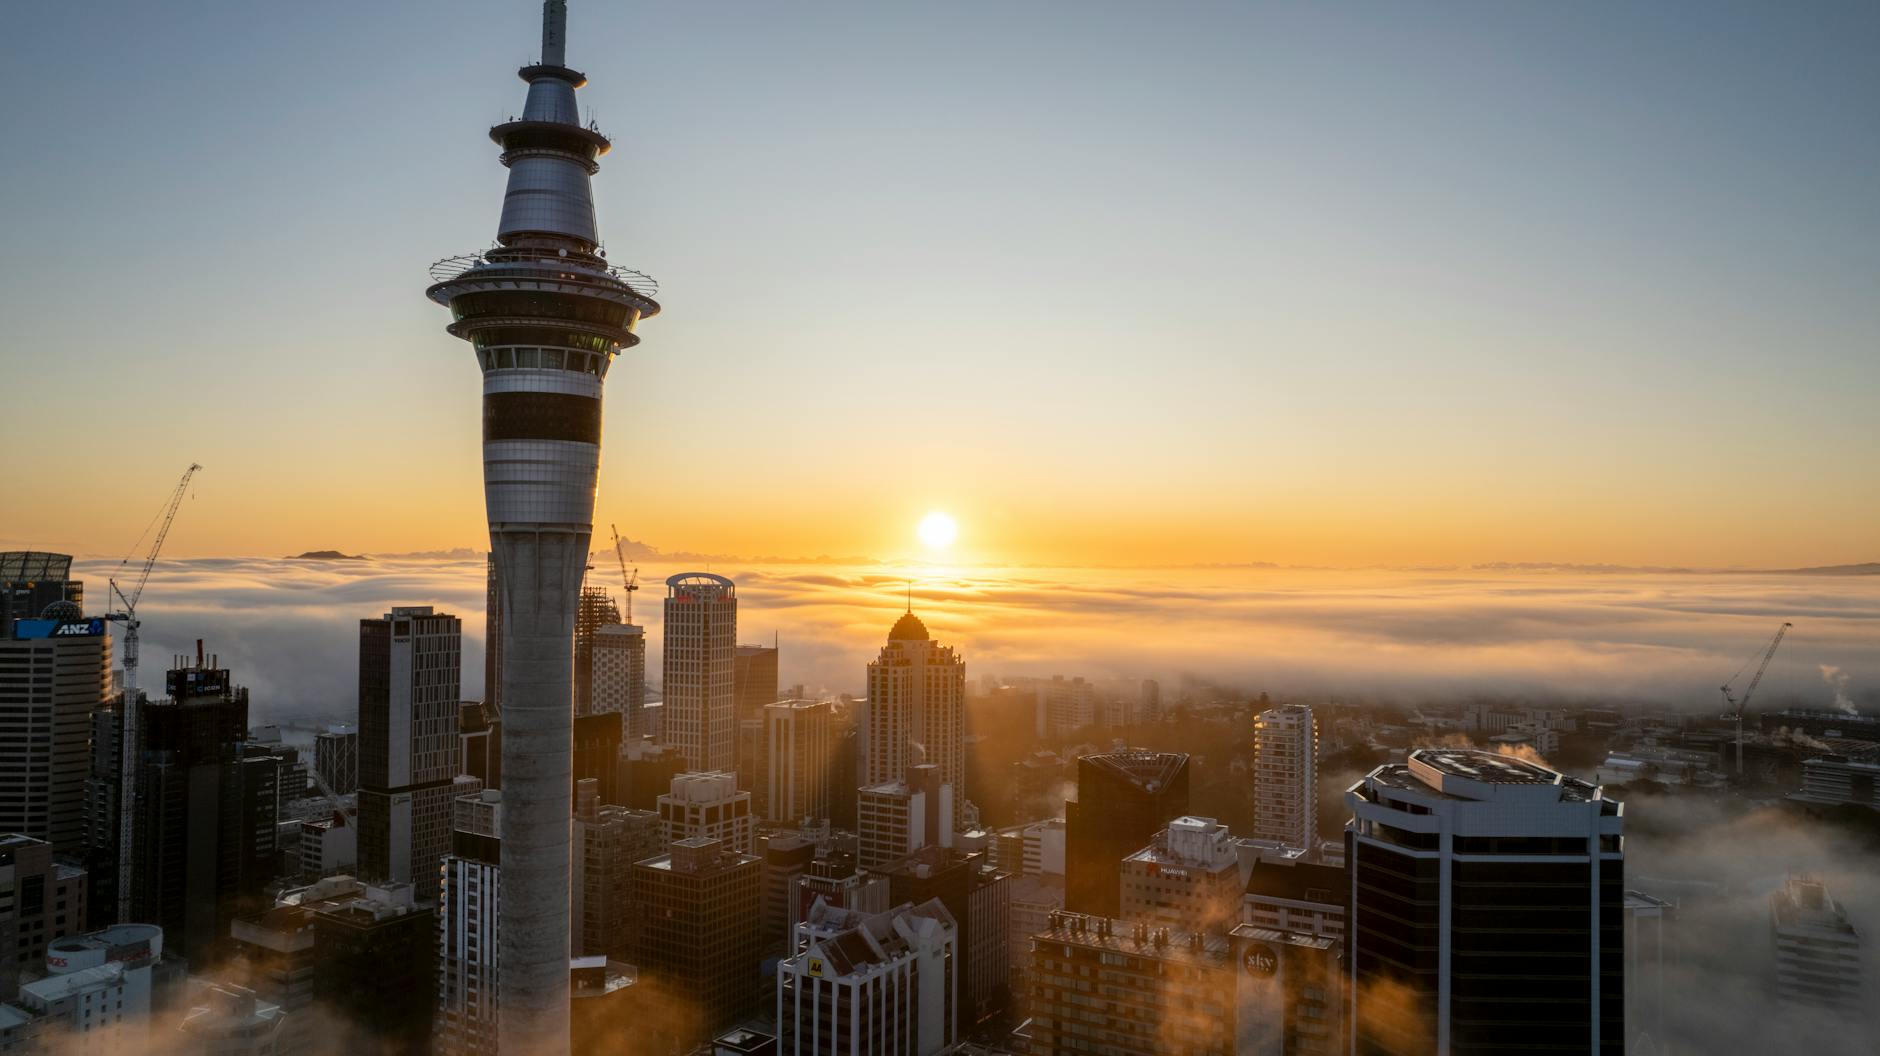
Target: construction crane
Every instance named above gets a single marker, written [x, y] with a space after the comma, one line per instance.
[132, 706]
[631, 580]
[1732, 708]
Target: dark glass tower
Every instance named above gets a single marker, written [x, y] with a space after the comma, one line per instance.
[1123, 800]
[546, 314]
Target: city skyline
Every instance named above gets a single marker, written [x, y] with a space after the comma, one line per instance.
[1216, 529]
[1503, 289]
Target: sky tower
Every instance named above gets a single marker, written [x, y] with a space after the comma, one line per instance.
[545, 313]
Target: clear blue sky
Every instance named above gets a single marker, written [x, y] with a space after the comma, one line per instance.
[1333, 283]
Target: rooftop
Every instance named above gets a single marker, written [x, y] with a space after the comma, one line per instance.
[1151, 771]
[908, 629]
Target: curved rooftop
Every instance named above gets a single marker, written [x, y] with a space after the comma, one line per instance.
[699, 583]
[908, 629]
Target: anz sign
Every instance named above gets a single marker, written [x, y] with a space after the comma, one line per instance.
[93, 628]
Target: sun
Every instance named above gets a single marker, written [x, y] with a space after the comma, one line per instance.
[938, 530]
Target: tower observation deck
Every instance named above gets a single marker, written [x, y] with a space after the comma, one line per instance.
[545, 314]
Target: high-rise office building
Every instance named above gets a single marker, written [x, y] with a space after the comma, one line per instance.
[597, 753]
[916, 710]
[754, 685]
[410, 672]
[800, 736]
[469, 907]
[375, 961]
[698, 941]
[1123, 799]
[709, 805]
[699, 670]
[596, 610]
[1162, 990]
[608, 839]
[104, 783]
[1188, 877]
[1817, 951]
[871, 983]
[619, 680]
[896, 819]
[754, 679]
[201, 811]
[336, 758]
[545, 313]
[1286, 776]
[31, 581]
[787, 857]
[1486, 909]
[1149, 701]
[55, 669]
[42, 900]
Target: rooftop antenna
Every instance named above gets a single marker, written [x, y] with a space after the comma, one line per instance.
[910, 595]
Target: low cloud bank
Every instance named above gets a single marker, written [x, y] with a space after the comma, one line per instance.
[289, 628]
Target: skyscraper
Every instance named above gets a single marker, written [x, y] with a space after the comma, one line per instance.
[800, 735]
[619, 680]
[546, 314]
[708, 805]
[699, 670]
[55, 668]
[1286, 776]
[916, 709]
[492, 636]
[197, 809]
[1818, 952]
[468, 911]
[1486, 909]
[698, 936]
[597, 610]
[1123, 799]
[41, 900]
[409, 678]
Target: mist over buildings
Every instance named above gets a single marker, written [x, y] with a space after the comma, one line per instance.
[288, 628]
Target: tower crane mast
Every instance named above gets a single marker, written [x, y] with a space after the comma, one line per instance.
[631, 580]
[132, 706]
[1733, 708]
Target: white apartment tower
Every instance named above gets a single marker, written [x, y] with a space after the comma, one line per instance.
[1286, 776]
[699, 670]
[800, 735]
[620, 675]
[470, 901]
[916, 709]
[410, 673]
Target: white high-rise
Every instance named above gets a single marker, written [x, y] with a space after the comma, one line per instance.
[699, 670]
[916, 709]
[467, 926]
[619, 658]
[1286, 776]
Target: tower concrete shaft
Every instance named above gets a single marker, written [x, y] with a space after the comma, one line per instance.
[546, 314]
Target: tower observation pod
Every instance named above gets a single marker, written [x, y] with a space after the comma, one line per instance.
[545, 314]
